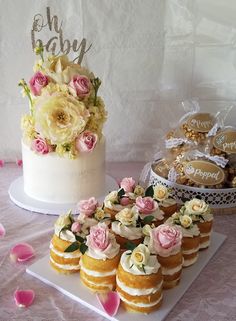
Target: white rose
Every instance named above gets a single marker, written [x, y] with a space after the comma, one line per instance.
[185, 220]
[140, 255]
[139, 190]
[112, 197]
[146, 230]
[160, 192]
[128, 216]
[63, 220]
[99, 214]
[196, 207]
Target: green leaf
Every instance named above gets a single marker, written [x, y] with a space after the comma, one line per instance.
[79, 238]
[73, 247]
[149, 191]
[143, 268]
[130, 246]
[83, 248]
[148, 219]
[121, 192]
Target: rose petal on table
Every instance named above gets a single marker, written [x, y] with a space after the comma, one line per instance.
[2, 231]
[110, 302]
[19, 162]
[2, 162]
[21, 252]
[24, 298]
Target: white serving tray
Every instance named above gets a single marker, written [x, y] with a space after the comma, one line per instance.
[18, 196]
[71, 286]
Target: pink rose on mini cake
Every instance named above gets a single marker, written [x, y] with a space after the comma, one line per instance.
[86, 142]
[37, 82]
[98, 239]
[88, 207]
[80, 86]
[128, 184]
[146, 205]
[39, 145]
[165, 239]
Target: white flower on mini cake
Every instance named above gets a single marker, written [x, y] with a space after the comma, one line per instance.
[195, 207]
[161, 192]
[65, 109]
[185, 221]
[128, 216]
[140, 256]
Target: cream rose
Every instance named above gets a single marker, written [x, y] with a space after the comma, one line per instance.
[185, 220]
[112, 197]
[140, 255]
[160, 193]
[127, 216]
[99, 214]
[60, 118]
[196, 207]
[63, 220]
[139, 190]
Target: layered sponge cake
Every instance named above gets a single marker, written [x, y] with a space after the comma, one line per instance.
[99, 263]
[139, 280]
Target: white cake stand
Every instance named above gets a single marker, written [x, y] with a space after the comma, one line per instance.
[18, 196]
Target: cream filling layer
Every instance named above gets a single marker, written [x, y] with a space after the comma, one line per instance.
[66, 266]
[65, 255]
[107, 285]
[204, 244]
[141, 305]
[190, 261]
[136, 291]
[188, 252]
[205, 234]
[96, 273]
[167, 271]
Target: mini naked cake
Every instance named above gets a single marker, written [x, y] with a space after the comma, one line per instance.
[66, 231]
[149, 211]
[125, 197]
[127, 227]
[165, 241]
[191, 237]
[99, 263]
[166, 203]
[200, 213]
[139, 280]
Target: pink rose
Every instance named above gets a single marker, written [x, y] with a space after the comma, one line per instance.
[98, 239]
[128, 184]
[165, 237]
[40, 146]
[88, 207]
[146, 205]
[76, 227]
[80, 86]
[124, 201]
[37, 82]
[86, 142]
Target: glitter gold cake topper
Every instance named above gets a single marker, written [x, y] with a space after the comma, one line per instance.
[56, 44]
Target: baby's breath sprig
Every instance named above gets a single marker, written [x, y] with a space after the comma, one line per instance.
[26, 91]
[39, 51]
[96, 83]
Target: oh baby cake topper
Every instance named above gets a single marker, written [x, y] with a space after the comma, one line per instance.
[56, 44]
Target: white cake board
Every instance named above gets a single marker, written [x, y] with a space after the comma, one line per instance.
[71, 286]
[21, 199]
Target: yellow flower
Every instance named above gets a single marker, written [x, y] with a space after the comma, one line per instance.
[99, 214]
[98, 116]
[139, 190]
[160, 192]
[185, 221]
[140, 255]
[127, 216]
[27, 121]
[60, 118]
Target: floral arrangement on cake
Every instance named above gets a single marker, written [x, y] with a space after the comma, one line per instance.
[66, 114]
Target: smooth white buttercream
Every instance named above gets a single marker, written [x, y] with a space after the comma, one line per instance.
[129, 232]
[158, 215]
[168, 202]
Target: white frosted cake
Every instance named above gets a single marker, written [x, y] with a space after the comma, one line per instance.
[63, 149]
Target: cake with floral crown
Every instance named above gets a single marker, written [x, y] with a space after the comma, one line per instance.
[149, 210]
[201, 214]
[63, 148]
[139, 280]
[165, 241]
[100, 261]
[166, 203]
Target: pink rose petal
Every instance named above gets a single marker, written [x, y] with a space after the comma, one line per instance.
[110, 302]
[24, 298]
[2, 162]
[2, 231]
[21, 252]
[19, 162]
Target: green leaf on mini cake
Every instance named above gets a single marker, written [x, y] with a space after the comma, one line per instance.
[130, 246]
[79, 238]
[83, 248]
[149, 191]
[73, 247]
[121, 192]
[148, 219]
